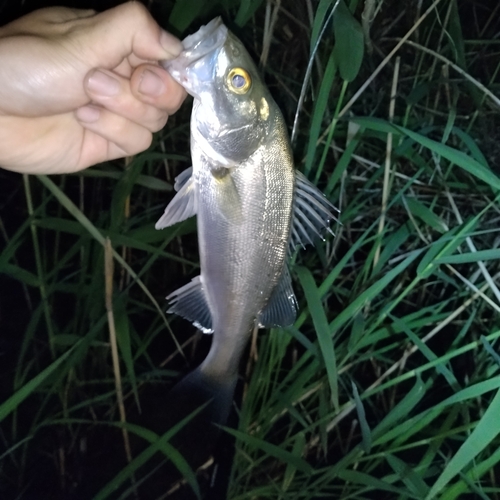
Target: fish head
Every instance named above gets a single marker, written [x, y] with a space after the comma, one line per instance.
[232, 105]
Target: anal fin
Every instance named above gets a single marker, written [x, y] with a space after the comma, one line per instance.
[183, 204]
[281, 309]
[190, 302]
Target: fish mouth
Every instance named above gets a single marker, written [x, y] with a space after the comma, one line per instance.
[206, 40]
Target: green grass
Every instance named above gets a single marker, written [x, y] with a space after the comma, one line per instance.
[387, 386]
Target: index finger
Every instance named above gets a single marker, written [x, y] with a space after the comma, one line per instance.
[129, 30]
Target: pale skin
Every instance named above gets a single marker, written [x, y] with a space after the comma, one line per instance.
[78, 88]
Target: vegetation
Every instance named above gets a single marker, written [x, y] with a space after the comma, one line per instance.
[388, 384]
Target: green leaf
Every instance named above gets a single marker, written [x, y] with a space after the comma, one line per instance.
[320, 108]
[372, 292]
[319, 19]
[455, 156]
[246, 11]
[400, 412]
[480, 468]
[157, 444]
[457, 46]
[275, 451]
[66, 339]
[184, 13]
[410, 477]
[360, 478]
[20, 274]
[60, 224]
[358, 328]
[122, 191]
[445, 245]
[441, 368]
[366, 443]
[466, 258]
[96, 234]
[320, 321]
[146, 181]
[299, 448]
[349, 42]
[124, 343]
[28, 388]
[419, 210]
[490, 350]
[485, 432]
[391, 245]
[471, 145]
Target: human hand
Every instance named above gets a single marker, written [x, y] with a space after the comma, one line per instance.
[78, 88]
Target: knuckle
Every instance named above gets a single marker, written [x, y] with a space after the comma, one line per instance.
[135, 141]
[181, 96]
[175, 102]
[136, 12]
[160, 122]
[144, 141]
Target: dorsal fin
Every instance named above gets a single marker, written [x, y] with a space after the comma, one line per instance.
[312, 213]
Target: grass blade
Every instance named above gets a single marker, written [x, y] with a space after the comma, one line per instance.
[320, 321]
[487, 429]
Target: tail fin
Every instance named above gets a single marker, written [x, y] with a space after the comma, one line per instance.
[195, 441]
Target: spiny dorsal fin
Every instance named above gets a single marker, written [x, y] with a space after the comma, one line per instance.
[190, 302]
[183, 204]
[281, 309]
[312, 213]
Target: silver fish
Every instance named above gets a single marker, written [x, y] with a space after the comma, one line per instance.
[253, 207]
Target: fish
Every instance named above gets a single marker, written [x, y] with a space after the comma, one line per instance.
[253, 209]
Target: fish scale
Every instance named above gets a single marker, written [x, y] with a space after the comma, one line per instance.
[241, 267]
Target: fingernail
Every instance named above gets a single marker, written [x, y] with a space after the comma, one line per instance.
[171, 44]
[151, 84]
[103, 84]
[88, 114]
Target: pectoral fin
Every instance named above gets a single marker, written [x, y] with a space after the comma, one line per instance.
[190, 302]
[182, 178]
[312, 213]
[183, 205]
[282, 306]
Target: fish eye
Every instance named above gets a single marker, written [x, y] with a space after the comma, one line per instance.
[239, 81]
